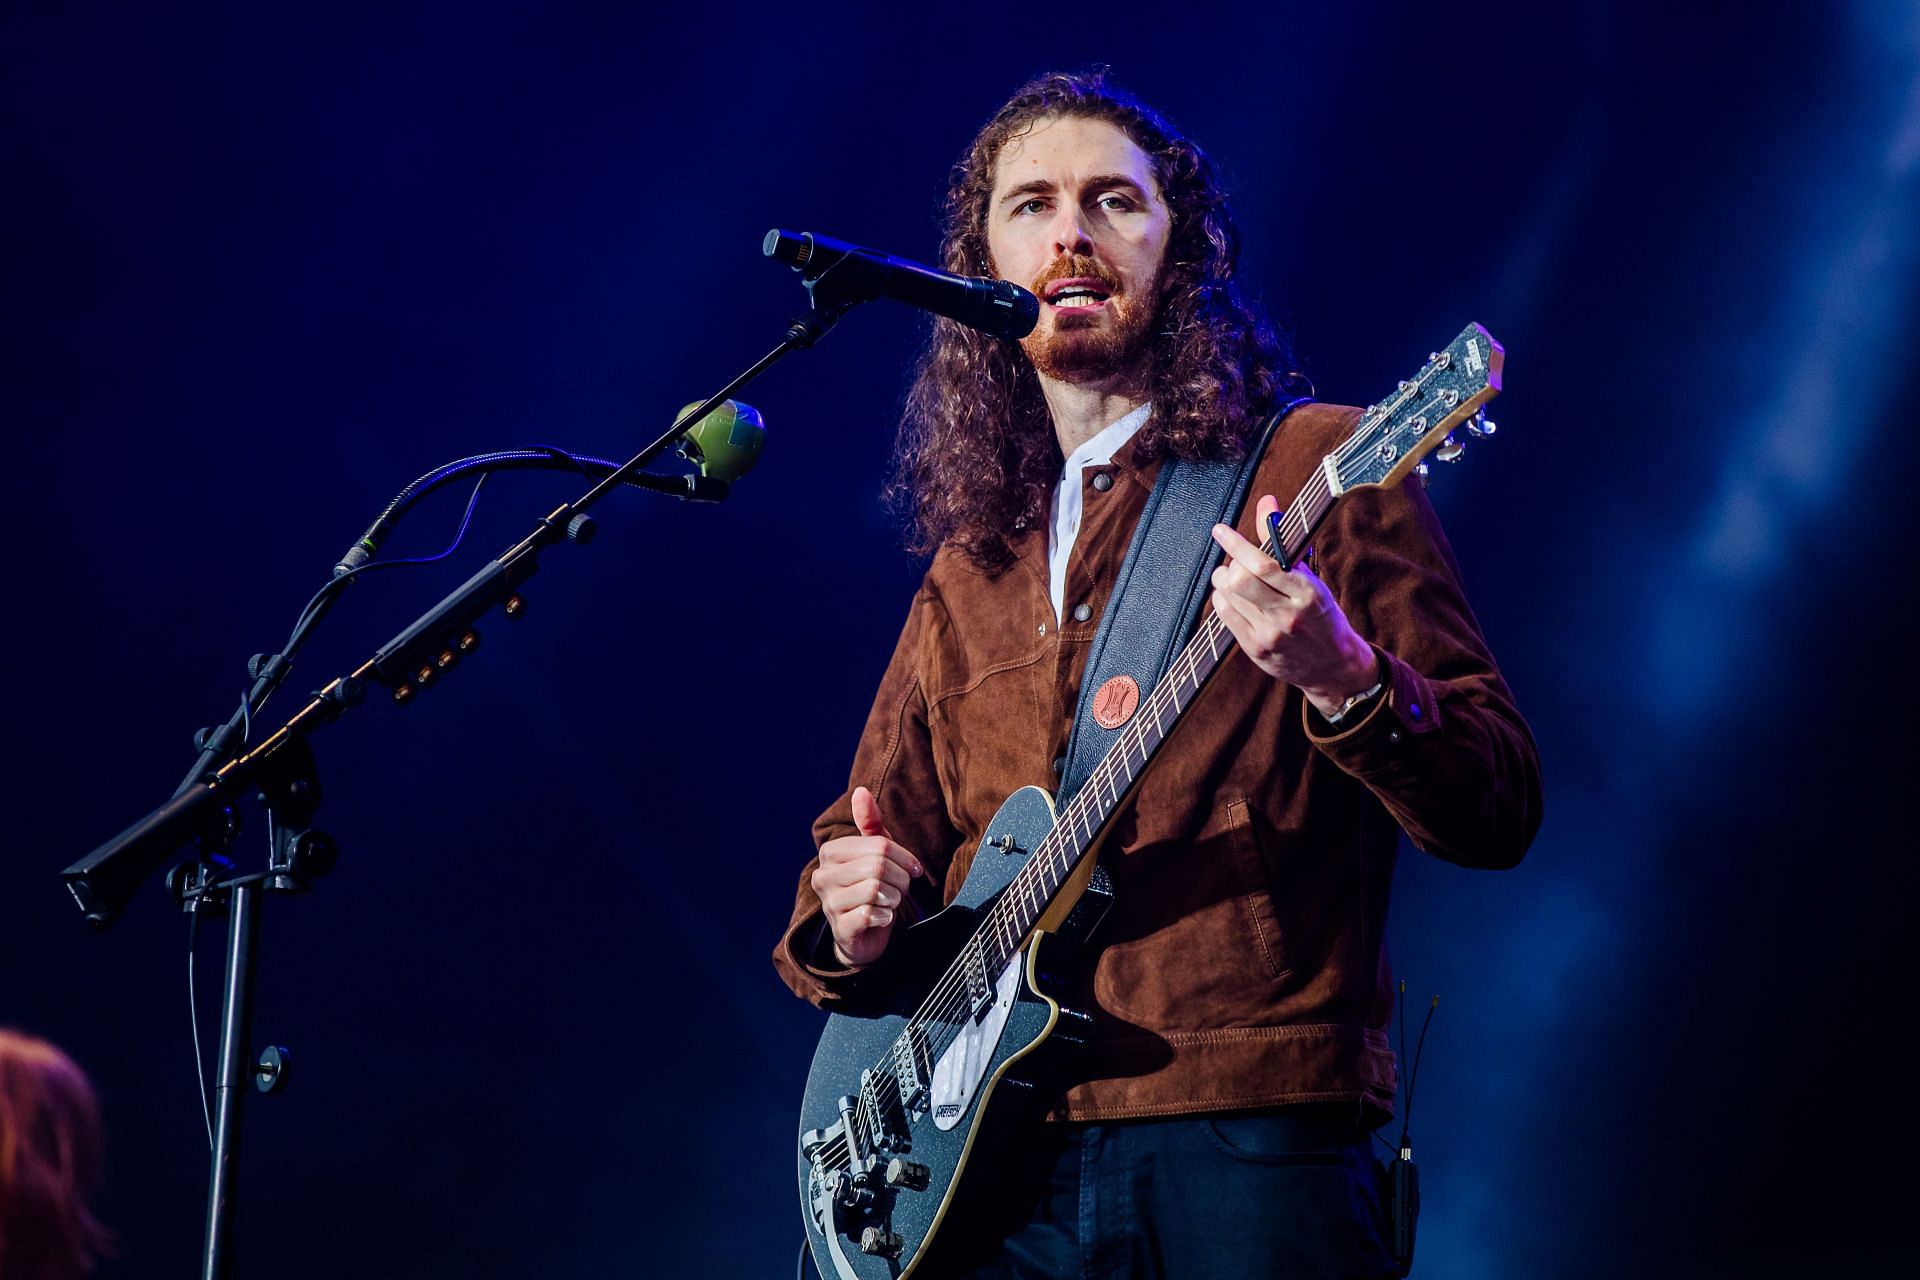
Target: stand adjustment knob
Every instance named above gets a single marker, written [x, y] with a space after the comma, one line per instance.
[273, 1068]
[347, 691]
[907, 1174]
[581, 528]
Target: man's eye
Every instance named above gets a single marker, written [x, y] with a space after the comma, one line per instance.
[1035, 205]
[1116, 203]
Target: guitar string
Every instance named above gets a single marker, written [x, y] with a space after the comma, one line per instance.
[996, 923]
[1321, 500]
[1031, 887]
[953, 993]
[870, 1105]
[1029, 884]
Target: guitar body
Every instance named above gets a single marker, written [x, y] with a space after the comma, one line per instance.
[1000, 1048]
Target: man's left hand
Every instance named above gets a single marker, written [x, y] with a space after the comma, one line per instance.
[1288, 622]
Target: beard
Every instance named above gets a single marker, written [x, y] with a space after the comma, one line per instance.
[1091, 349]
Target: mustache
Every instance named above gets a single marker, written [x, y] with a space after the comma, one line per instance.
[1076, 266]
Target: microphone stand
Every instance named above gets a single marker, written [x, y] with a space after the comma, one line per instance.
[282, 768]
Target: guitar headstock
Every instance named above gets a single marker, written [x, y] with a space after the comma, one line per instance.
[1396, 435]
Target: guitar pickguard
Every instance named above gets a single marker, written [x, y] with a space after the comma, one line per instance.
[964, 1065]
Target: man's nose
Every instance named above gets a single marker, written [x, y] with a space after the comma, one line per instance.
[1070, 233]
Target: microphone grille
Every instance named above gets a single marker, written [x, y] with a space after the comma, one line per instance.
[791, 249]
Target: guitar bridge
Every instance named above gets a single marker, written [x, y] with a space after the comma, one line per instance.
[813, 1140]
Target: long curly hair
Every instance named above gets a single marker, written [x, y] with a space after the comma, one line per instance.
[50, 1157]
[977, 457]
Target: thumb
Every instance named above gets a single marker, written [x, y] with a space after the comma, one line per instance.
[866, 814]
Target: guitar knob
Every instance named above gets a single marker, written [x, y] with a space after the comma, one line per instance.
[1450, 449]
[1479, 426]
[907, 1174]
[880, 1242]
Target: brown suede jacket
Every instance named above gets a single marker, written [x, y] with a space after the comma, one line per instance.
[1243, 962]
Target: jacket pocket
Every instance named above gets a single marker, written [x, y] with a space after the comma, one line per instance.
[1256, 898]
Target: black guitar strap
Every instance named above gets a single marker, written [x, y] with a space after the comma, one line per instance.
[1162, 587]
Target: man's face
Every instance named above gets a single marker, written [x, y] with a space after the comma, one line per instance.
[1077, 217]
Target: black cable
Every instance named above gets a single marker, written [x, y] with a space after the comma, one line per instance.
[1406, 1112]
[359, 558]
[316, 607]
[1419, 1047]
[533, 457]
[335, 584]
[193, 1018]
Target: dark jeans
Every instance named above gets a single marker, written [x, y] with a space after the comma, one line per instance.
[1289, 1194]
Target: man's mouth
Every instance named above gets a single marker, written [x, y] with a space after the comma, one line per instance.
[1071, 295]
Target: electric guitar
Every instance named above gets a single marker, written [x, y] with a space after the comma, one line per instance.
[897, 1102]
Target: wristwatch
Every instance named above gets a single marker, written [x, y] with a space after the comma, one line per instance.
[1341, 712]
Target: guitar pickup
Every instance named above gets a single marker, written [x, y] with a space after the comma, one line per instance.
[980, 992]
[913, 1066]
[884, 1103]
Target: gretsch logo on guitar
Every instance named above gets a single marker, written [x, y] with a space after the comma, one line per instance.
[895, 1101]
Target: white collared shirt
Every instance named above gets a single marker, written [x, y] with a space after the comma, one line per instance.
[1064, 525]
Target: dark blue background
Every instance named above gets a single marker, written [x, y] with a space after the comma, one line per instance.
[263, 266]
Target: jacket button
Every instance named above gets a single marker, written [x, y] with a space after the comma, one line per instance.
[1394, 736]
[1059, 766]
[1102, 481]
[1081, 612]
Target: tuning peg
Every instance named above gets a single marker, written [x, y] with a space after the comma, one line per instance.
[1478, 425]
[1424, 472]
[1450, 449]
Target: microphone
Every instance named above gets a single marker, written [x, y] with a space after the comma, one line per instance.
[726, 443]
[996, 307]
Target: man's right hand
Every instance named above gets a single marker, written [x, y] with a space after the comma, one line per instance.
[860, 882]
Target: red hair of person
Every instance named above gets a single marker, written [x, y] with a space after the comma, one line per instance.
[977, 457]
[50, 1162]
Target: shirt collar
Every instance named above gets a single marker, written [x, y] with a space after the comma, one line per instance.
[1098, 449]
[1030, 543]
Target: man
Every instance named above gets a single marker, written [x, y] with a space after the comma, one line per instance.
[1218, 1124]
